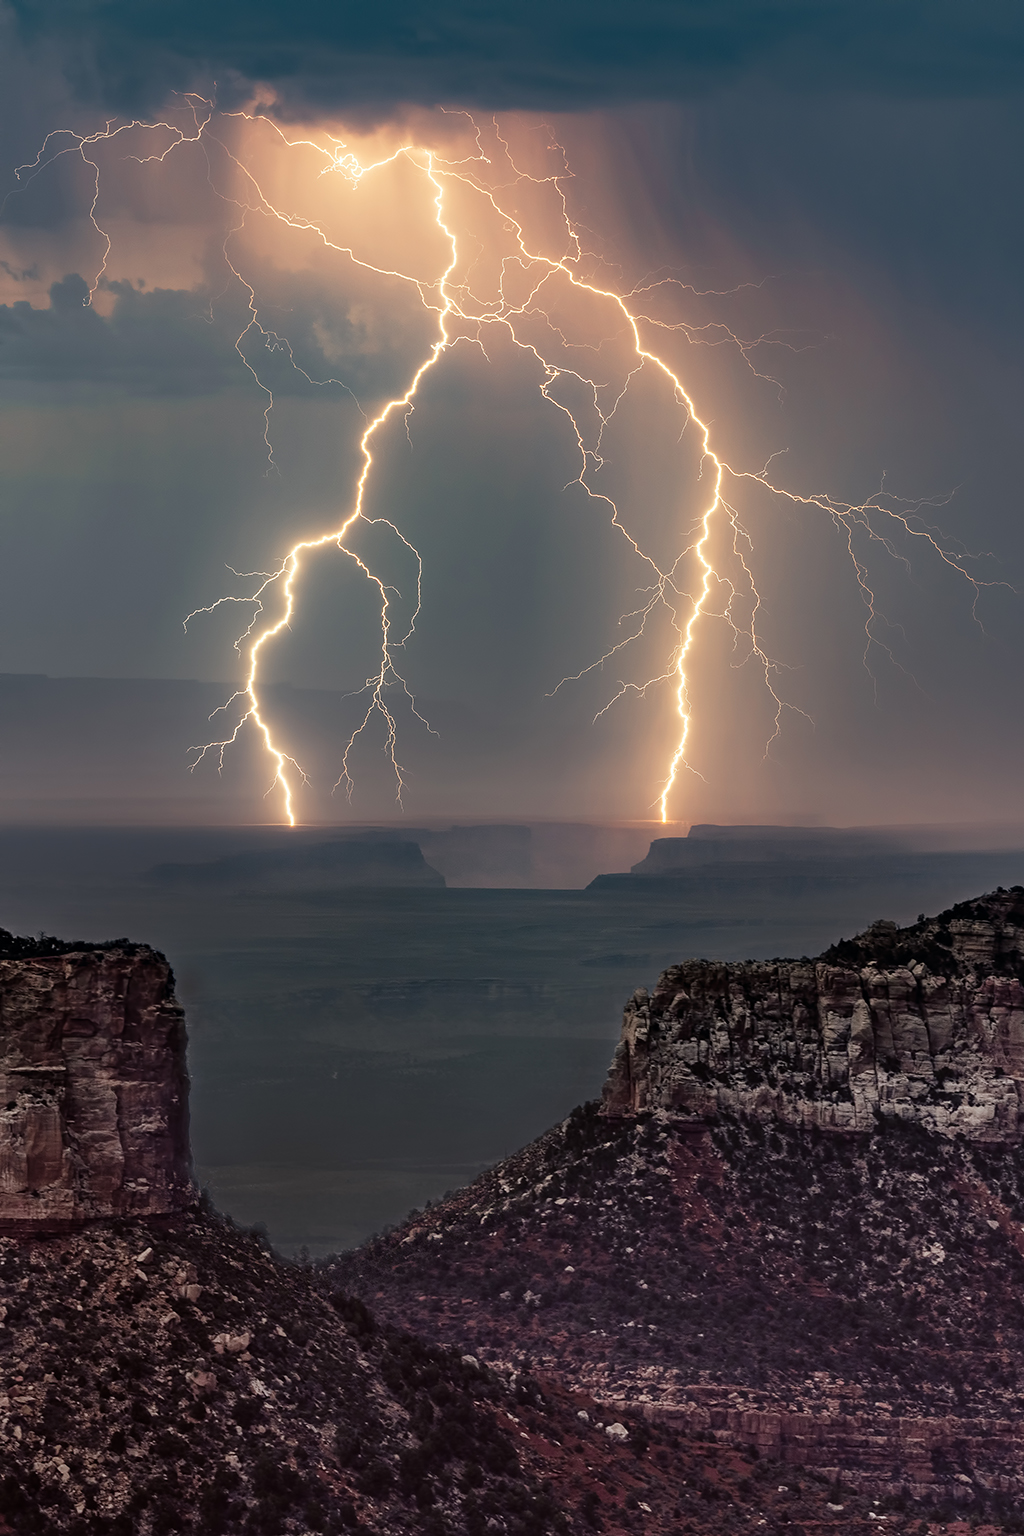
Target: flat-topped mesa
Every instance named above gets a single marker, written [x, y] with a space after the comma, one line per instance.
[93, 1085]
[922, 1024]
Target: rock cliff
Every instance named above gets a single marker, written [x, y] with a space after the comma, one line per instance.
[162, 1371]
[923, 1024]
[93, 1085]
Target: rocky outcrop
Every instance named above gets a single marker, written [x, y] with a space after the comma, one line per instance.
[93, 1086]
[844, 1309]
[164, 1372]
[923, 1024]
[864, 1450]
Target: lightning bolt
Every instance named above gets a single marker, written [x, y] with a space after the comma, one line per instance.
[533, 279]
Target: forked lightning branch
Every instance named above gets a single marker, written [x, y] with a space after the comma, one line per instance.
[524, 292]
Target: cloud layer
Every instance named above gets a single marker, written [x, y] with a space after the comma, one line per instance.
[127, 54]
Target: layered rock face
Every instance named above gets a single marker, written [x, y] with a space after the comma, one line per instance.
[93, 1088]
[923, 1024]
[697, 1251]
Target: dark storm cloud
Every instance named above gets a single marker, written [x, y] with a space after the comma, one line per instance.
[176, 342]
[153, 342]
[568, 55]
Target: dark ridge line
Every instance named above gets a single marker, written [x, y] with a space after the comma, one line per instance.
[21, 947]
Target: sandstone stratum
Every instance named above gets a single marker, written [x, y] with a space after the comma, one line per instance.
[924, 1025]
[93, 1085]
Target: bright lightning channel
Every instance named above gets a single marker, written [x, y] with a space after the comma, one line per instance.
[462, 317]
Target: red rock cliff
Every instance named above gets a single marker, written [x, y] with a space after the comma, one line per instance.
[93, 1089]
[923, 1024]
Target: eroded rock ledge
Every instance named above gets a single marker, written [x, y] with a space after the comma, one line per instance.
[923, 1024]
[93, 1085]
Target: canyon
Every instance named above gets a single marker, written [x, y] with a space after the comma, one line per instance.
[773, 1277]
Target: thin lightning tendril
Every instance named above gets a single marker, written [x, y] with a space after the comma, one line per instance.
[462, 316]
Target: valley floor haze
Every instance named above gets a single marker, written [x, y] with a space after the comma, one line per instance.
[376, 1014]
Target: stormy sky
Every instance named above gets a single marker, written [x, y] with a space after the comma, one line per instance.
[838, 184]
